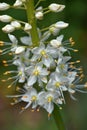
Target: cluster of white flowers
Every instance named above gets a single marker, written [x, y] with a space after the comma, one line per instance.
[45, 70]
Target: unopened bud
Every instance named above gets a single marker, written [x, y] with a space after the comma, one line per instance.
[18, 3]
[61, 25]
[16, 24]
[39, 15]
[8, 28]
[27, 27]
[19, 50]
[56, 7]
[4, 6]
[5, 18]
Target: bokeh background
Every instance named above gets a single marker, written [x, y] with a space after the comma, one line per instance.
[74, 113]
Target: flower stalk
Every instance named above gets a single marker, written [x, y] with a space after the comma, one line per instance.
[58, 118]
[32, 21]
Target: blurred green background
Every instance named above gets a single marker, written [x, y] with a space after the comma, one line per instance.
[74, 113]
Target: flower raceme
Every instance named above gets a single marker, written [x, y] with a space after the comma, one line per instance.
[45, 69]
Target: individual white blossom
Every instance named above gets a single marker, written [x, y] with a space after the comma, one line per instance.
[4, 6]
[37, 73]
[47, 100]
[45, 54]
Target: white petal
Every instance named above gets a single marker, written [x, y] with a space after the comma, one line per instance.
[26, 98]
[60, 38]
[26, 40]
[44, 79]
[32, 80]
[49, 107]
[13, 38]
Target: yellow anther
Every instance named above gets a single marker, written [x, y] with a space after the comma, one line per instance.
[38, 110]
[10, 54]
[1, 43]
[9, 86]
[1, 51]
[85, 85]
[5, 65]
[49, 115]
[12, 103]
[23, 108]
[71, 39]
[7, 72]
[78, 61]
[72, 43]
[4, 61]
[32, 110]
[75, 50]
[3, 80]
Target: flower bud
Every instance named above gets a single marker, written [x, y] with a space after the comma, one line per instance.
[27, 27]
[56, 7]
[39, 15]
[19, 50]
[18, 3]
[61, 25]
[55, 43]
[8, 28]
[4, 6]
[5, 18]
[16, 24]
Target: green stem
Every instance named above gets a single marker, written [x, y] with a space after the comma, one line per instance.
[58, 118]
[31, 19]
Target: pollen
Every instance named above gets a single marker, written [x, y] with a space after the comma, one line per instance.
[5, 65]
[75, 50]
[49, 99]
[1, 43]
[4, 61]
[36, 72]
[1, 51]
[9, 86]
[34, 98]
[20, 73]
[43, 52]
[7, 72]
[57, 84]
